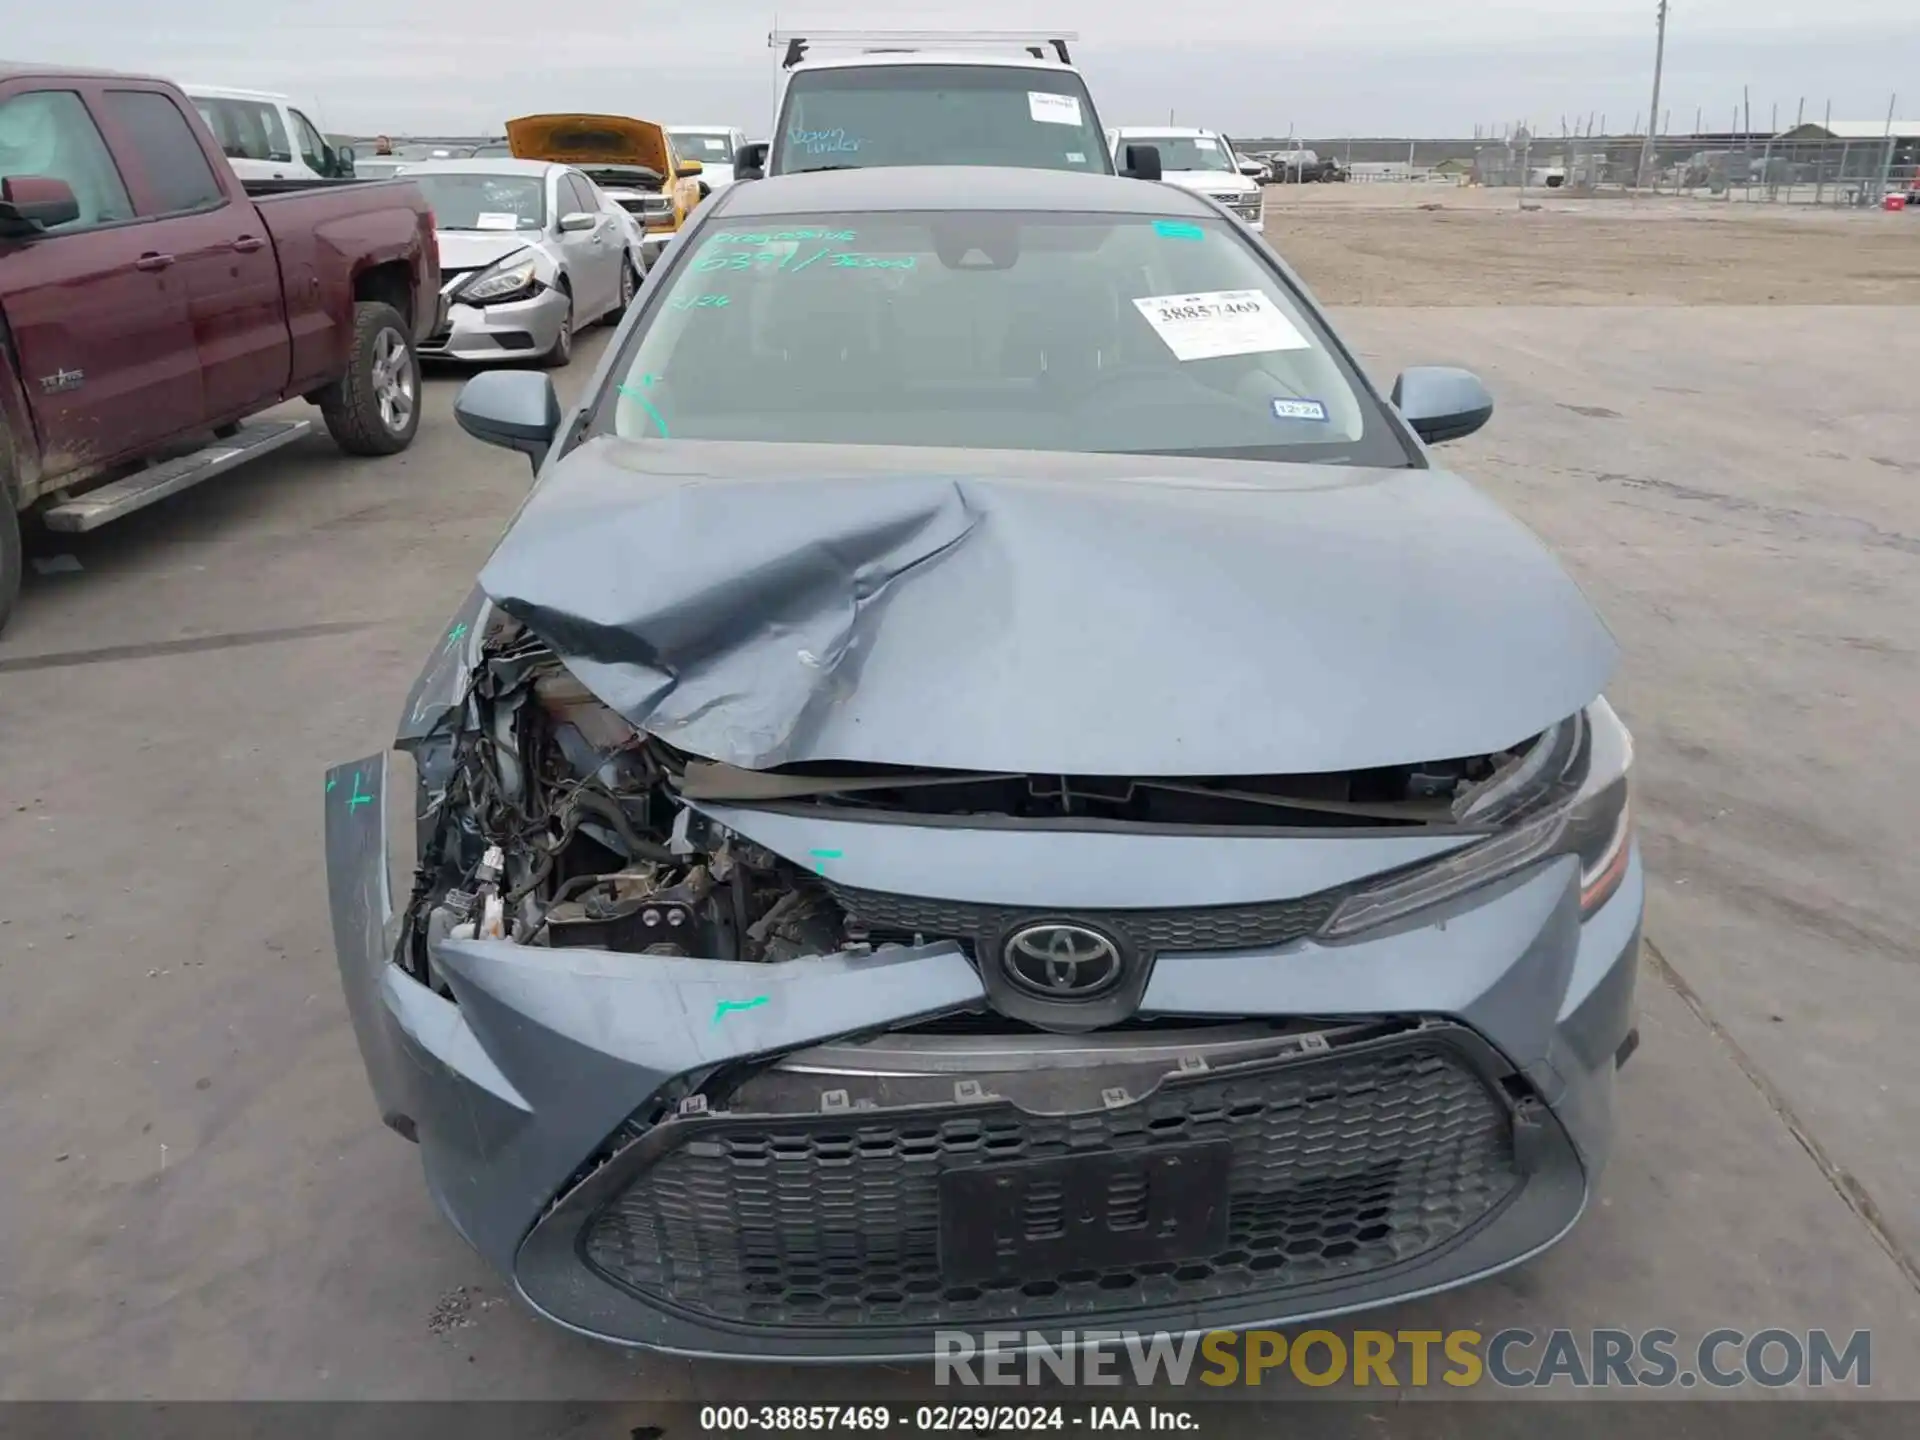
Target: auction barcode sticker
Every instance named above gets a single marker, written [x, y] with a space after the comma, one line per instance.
[1221, 322]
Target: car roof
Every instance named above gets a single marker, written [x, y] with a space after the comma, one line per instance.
[701, 129]
[482, 165]
[14, 69]
[932, 57]
[228, 92]
[956, 187]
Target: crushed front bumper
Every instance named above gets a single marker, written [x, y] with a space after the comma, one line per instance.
[517, 330]
[728, 1159]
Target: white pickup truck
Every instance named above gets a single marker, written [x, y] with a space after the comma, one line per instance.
[912, 97]
[1202, 161]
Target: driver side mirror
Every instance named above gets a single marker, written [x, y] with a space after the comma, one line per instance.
[30, 204]
[750, 160]
[691, 167]
[514, 409]
[1442, 403]
[1141, 162]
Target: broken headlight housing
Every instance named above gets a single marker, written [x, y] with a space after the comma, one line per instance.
[1565, 795]
[514, 278]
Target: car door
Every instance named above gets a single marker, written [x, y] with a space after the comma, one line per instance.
[311, 150]
[220, 250]
[101, 332]
[590, 253]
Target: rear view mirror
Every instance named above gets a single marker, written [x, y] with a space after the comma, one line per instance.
[579, 220]
[1442, 403]
[750, 162]
[515, 409]
[1141, 162]
[32, 203]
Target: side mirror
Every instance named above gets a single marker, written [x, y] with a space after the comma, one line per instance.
[514, 409]
[579, 220]
[1141, 162]
[31, 203]
[750, 160]
[691, 167]
[705, 190]
[1442, 403]
[347, 157]
[1252, 169]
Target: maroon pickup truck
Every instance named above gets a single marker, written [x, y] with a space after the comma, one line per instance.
[150, 303]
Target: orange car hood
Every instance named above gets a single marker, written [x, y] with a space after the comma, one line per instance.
[590, 140]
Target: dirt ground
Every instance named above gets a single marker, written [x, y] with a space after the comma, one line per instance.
[1427, 245]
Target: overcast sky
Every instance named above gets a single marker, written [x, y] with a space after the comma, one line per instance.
[1381, 67]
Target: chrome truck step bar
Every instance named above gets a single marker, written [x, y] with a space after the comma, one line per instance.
[145, 487]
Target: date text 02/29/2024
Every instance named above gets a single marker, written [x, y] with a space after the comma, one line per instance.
[943, 1419]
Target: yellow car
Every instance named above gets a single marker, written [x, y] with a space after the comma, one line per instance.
[632, 160]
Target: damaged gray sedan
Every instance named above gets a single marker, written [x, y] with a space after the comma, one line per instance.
[993, 779]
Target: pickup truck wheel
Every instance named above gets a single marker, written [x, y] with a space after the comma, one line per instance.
[562, 351]
[10, 561]
[375, 407]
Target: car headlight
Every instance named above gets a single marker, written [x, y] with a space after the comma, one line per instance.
[506, 279]
[1567, 795]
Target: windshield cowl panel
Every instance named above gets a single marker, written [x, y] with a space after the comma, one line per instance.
[991, 330]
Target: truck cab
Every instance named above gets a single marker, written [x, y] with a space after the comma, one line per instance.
[932, 98]
[1202, 161]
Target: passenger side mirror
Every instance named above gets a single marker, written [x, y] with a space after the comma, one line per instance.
[514, 409]
[750, 161]
[1141, 162]
[1442, 403]
[578, 220]
[32, 203]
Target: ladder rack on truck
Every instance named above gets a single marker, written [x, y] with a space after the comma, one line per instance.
[881, 42]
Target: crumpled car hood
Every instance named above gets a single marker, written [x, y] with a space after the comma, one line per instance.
[1042, 612]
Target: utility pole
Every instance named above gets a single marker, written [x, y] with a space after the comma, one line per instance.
[1659, 60]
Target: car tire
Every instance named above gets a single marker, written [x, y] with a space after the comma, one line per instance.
[561, 354]
[629, 287]
[374, 409]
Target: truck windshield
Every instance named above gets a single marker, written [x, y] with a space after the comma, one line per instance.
[709, 147]
[938, 115]
[1185, 152]
[469, 201]
[1083, 332]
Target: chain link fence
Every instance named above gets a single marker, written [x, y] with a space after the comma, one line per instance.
[1797, 168]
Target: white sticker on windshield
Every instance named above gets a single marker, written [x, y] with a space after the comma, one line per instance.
[1290, 409]
[1203, 143]
[1050, 109]
[1221, 322]
[715, 144]
[1075, 157]
[495, 220]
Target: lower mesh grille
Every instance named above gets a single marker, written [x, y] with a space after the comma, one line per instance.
[1339, 1166]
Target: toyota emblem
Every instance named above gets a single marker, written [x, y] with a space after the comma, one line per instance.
[1061, 962]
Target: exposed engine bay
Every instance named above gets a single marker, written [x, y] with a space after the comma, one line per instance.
[547, 819]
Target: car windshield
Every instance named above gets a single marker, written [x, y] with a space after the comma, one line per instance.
[1080, 332]
[709, 147]
[476, 201]
[1186, 152]
[938, 115]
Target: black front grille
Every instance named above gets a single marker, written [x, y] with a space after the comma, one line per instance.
[1146, 932]
[1341, 1165]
